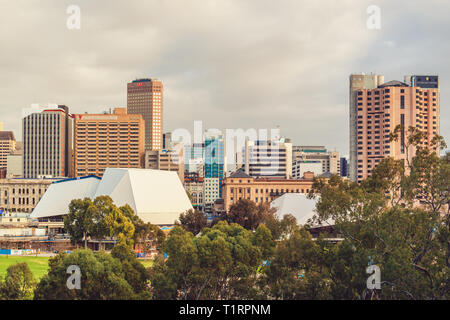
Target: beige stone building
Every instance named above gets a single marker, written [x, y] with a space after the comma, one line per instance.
[107, 141]
[168, 160]
[261, 190]
[22, 195]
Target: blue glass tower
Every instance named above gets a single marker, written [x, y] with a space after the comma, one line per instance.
[214, 158]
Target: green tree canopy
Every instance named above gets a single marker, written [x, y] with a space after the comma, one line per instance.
[104, 276]
[19, 283]
[219, 264]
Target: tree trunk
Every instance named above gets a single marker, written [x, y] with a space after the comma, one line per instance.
[85, 240]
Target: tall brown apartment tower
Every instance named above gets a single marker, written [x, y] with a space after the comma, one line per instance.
[145, 97]
[357, 82]
[107, 141]
[381, 110]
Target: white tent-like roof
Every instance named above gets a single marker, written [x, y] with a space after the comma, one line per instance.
[295, 204]
[56, 199]
[156, 196]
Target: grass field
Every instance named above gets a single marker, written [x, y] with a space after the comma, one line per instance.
[146, 262]
[37, 265]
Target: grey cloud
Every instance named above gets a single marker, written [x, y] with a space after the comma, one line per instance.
[232, 64]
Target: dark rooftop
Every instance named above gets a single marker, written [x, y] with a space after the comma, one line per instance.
[7, 135]
[393, 83]
[240, 174]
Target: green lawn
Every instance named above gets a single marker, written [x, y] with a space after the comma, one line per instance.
[146, 262]
[37, 265]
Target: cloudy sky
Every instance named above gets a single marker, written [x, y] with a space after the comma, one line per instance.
[233, 64]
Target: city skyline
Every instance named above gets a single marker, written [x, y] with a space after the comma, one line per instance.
[211, 73]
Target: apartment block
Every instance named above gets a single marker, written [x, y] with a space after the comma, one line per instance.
[262, 190]
[108, 141]
[268, 158]
[47, 143]
[381, 110]
[168, 160]
[357, 82]
[145, 97]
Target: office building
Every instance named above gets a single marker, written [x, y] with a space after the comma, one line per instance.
[47, 143]
[168, 160]
[213, 166]
[145, 97]
[194, 158]
[108, 141]
[344, 167]
[330, 159]
[15, 163]
[299, 168]
[357, 82]
[7, 144]
[268, 158]
[381, 110]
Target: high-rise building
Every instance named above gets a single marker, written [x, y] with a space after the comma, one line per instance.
[108, 141]
[167, 140]
[329, 159]
[194, 158]
[268, 158]
[214, 167]
[424, 82]
[47, 143]
[344, 167]
[381, 110]
[145, 97]
[7, 144]
[357, 82]
[168, 160]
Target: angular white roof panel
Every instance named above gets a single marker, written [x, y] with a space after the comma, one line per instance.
[58, 196]
[156, 196]
[296, 204]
